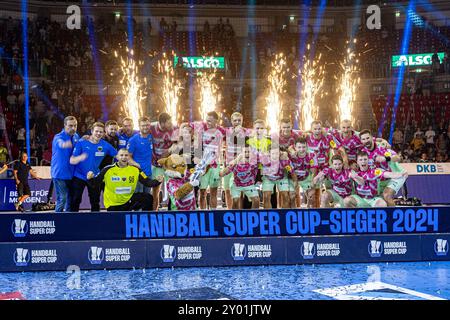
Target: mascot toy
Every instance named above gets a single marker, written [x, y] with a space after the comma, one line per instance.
[179, 185]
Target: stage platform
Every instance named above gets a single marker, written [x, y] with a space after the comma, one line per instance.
[121, 240]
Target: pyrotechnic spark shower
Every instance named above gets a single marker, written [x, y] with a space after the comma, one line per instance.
[171, 87]
[348, 83]
[209, 93]
[312, 78]
[276, 80]
[132, 87]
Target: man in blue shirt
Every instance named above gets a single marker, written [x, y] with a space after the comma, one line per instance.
[126, 132]
[140, 147]
[61, 169]
[87, 156]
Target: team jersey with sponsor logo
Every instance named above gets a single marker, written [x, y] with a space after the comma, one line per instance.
[162, 141]
[123, 138]
[341, 182]
[370, 188]
[321, 148]
[244, 174]
[188, 202]
[95, 154]
[350, 144]
[289, 141]
[211, 139]
[120, 183]
[302, 165]
[142, 151]
[235, 140]
[276, 170]
[385, 165]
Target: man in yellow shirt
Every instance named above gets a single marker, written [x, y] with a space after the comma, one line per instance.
[120, 183]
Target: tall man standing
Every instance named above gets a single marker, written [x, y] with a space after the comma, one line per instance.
[140, 147]
[87, 156]
[163, 133]
[111, 128]
[211, 136]
[126, 132]
[61, 169]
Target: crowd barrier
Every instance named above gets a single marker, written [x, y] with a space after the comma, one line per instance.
[50, 242]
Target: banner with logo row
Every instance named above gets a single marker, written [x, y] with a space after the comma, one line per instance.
[54, 256]
[221, 224]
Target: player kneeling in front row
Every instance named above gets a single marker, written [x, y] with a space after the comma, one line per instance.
[120, 182]
[243, 180]
[342, 185]
[367, 180]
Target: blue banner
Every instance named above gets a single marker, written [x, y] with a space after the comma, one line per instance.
[40, 256]
[221, 224]
[57, 255]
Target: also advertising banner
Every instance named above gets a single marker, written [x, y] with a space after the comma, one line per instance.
[415, 60]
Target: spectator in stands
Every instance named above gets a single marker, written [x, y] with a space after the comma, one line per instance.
[429, 136]
[442, 143]
[417, 144]
[162, 25]
[435, 63]
[418, 132]
[440, 157]
[3, 153]
[423, 158]
[206, 27]
[21, 138]
[446, 63]
[2, 125]
[397, 139]
[174, 26]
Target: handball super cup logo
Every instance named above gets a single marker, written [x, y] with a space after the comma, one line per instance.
[96, 255]
[168, 253]
[21, 257]
[308, 250]
[375, 248]
[238, 251]
[441, 247]
[19, 228]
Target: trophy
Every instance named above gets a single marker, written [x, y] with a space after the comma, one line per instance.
[200, 168]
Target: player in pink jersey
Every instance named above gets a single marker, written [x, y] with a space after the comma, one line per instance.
[275, 170]
[244, 173]
[287, 136]
[304, 166]
[347, 142]
[164, 135]
[211, 137]
[385, 159]
[235, 141]
[342, 185]
[367, 180]
[320, 143]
